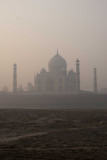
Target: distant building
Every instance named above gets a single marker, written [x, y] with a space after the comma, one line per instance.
[57, 80]
[14, 78]
[95, 80]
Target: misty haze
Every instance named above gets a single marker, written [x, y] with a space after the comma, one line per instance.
[32, 30]
[53, 81]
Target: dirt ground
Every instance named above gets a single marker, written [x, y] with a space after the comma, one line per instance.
[53, 134]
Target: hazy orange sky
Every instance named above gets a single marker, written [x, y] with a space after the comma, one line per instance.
[32, 30]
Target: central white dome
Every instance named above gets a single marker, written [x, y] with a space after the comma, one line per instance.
[57, 63]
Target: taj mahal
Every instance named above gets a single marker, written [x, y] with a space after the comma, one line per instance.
[57, 80]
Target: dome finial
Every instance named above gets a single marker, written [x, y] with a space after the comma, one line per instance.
[57, 50]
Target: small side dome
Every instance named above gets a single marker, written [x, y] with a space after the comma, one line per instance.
[42, 71]
[71, 72]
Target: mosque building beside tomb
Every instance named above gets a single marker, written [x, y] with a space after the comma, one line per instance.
[57, 80]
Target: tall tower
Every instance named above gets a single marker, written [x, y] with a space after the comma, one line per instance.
[14, 78]
[95, 80]
[77, 76]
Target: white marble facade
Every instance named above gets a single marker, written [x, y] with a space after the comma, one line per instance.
[57, 80]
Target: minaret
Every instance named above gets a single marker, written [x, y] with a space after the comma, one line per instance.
[77, 76]
[14, 78]
[57, 50]
[34, 79]
[95, 80]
